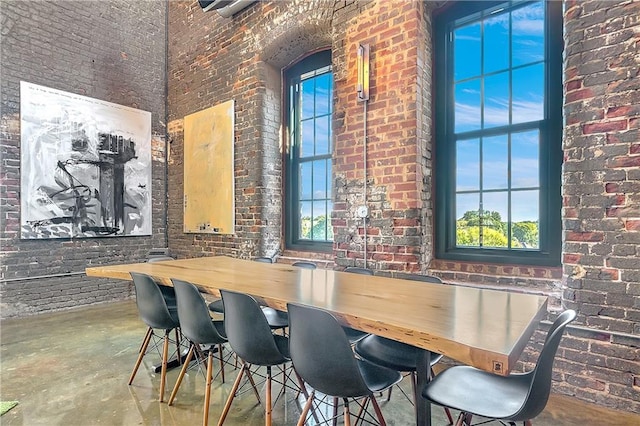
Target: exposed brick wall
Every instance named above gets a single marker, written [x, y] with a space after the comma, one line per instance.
[395, 225]
[601, 202]
[601, 169]
[113, 51]
[214, 59]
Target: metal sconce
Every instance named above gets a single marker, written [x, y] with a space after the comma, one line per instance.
[363, 72]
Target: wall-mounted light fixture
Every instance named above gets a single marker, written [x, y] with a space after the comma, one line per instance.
[363, 72]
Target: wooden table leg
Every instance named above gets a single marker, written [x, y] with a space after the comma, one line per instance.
[423, 407]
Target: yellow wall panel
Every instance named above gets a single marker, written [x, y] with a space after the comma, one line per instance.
[209, 202]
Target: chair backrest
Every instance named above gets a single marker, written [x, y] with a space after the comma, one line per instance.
[152, 259]
[152, 306]
[541, 374]
[321, 353]
[305, 265]
[421, 278]
[247, 330]
[263, 259]
[358, 270]
[195, 322]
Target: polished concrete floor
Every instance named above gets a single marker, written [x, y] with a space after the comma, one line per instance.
[71, 368]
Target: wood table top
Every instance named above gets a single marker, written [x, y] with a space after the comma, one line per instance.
[484, 328]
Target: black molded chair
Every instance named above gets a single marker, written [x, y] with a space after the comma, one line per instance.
[304, 265]
[276, 319]
[167, 291]
[352, 334]
[396, 355]
[322, 355]
[154, 311]
[203, 334]
[251, 339]
[358, 270]
[513, 398]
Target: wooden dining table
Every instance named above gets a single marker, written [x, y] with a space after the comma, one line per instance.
[487, 329]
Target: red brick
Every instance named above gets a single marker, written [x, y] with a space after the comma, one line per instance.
[579, 95]
[585, 236]
[620, 111]
[571, 258]
[620, 162]
[632, 225]
[604, 127]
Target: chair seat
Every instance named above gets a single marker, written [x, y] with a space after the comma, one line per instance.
[354, 335]
[376, 377]
[217, 306]
[390, 353]
[479, 392]
[275, 318]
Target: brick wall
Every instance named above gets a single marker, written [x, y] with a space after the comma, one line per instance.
[214, 59]
[601, 202]
[113, 51]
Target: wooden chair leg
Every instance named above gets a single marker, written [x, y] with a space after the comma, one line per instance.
[335, 411]
[305, 410]
[207, 391]
[141, 352]
[183, 370]
[347, 416]
[146, 336]
[253, 384]
[376, 408]
[232, 395]
[163, 371]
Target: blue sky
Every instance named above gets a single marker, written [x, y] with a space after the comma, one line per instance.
[487, 68]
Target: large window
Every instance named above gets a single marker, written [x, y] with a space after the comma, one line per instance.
[498, 131]
[308, 180]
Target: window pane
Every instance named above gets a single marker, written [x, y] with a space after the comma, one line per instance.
[525, 213]
[496, 43]
[496, 100]
[304, 230]
[308, 98]
[307, 134]
[467, 224]
[319, 179]
[467, 51]
[323, 100]
[305, 180]
[525, 159]
[467, 109]
[494, 217]
[495, 162]
[468, 165]
[528, 94]
[319, 230]
[322, 135]
[528, 34]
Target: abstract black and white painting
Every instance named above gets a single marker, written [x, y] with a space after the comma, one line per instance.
[85, 166]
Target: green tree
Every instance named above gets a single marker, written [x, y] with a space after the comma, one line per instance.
[526, 233]
[490, 219]
[470, 236]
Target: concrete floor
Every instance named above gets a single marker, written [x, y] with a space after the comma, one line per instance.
[72, 367]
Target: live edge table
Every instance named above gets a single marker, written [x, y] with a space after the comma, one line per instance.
[483, 328]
